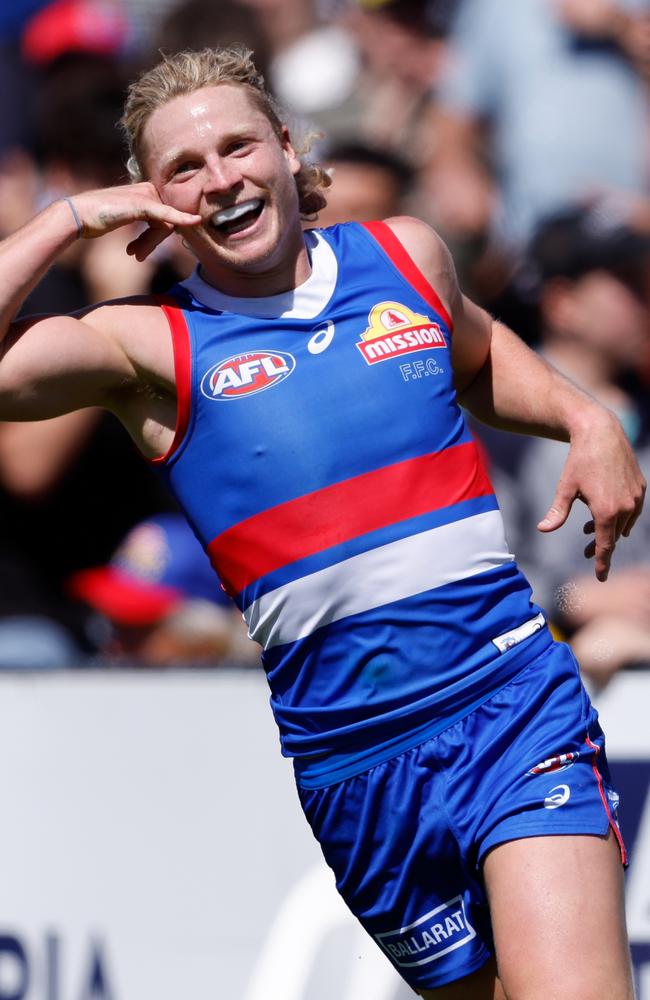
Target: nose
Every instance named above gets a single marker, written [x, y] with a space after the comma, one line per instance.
[223, 174]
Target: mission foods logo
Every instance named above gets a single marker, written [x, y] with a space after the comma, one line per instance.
[246, 374]
[394, 330]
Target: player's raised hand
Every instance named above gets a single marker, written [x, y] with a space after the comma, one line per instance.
[105, 210]
[601, 469]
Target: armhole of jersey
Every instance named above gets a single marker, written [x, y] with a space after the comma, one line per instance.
[402, 260]
[183, 372]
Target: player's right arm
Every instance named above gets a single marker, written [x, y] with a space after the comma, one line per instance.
[52, 365]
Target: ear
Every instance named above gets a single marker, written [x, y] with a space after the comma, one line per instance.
[292, 157]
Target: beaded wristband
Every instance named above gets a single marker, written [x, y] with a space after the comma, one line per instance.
[80, 225]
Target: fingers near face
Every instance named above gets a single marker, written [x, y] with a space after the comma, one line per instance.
[144, 244]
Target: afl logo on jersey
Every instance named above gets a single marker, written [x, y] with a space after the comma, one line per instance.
[394, 330]
[246, 374]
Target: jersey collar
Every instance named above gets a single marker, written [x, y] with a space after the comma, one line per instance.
[304, 302]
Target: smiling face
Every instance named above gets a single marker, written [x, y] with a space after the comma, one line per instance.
[215, 153]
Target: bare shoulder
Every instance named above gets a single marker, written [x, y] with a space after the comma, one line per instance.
[417, 236]
[429, 253]
[472, 325]
[122, 321]
[139, 327]
[136, 314]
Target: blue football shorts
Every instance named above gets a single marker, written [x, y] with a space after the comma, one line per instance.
[406, 838]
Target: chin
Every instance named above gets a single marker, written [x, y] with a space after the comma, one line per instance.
[251, 253]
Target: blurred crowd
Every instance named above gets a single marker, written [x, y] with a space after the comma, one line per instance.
[519, 130]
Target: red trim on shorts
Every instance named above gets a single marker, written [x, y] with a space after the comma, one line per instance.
[182, 370]
[603, 796]
[396, 251]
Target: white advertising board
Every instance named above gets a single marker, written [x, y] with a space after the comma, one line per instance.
[152, 846]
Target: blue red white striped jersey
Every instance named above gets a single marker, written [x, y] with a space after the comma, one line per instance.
[323, 461]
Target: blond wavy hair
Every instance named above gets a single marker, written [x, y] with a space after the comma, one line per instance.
[187, 71]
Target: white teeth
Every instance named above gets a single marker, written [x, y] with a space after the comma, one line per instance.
[234, 212]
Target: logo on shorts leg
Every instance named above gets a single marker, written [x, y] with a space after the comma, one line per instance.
[558, 763]
[430, 937]
[557, 797]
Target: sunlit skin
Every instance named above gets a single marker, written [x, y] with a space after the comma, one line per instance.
[213, 149]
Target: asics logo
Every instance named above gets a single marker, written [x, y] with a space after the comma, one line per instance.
[322, 339]
[557, 797]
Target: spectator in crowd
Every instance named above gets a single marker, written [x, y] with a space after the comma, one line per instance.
[313, 63]
[358, 70]
[593, 271]
[402, 47]
[193, 24]
[100, 27]
[541, 103]
[61, 506]
[163, 601]
[367, 183]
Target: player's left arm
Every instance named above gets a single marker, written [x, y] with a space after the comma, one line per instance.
[502, 382]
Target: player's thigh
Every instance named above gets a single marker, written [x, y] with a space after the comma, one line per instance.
[481, 985]
[558, 917]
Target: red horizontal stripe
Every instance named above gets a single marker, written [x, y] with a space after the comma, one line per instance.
[314, 522]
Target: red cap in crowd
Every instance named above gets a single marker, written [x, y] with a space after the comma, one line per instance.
[100, 27]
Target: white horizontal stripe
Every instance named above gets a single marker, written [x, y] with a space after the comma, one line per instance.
[389, 573]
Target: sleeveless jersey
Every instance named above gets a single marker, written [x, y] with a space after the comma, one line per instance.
[323, 461]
